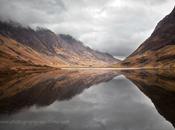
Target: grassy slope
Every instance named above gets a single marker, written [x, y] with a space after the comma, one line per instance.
[16, 56]
[158, 50]
[162, 58]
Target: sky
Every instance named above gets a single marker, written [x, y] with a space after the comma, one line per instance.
[114, 26]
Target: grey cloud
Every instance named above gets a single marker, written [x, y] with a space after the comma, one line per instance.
[114, 26]
[155, 2]
[31, 12]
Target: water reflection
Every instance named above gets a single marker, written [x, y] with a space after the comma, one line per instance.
[42, 89]
[60, 100]
[159, 86]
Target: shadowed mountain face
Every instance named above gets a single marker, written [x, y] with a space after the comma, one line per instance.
[159, 49]
[159, 86]
[19, 91]
[44, 47]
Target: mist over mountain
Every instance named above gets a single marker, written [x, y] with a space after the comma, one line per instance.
[114, 26]
[44, 47]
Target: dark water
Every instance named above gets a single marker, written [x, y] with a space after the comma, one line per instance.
[88, 100]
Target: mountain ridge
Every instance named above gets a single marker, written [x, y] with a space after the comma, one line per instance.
[158, 50]
[60, 50]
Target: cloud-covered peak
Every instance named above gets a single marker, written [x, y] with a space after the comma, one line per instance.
[114, 26]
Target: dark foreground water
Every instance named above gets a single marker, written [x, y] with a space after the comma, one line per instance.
[88, 100]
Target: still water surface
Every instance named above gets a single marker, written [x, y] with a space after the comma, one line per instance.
[88, 100]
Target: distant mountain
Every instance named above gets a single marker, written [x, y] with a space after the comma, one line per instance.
[159, 49]
[44, 47]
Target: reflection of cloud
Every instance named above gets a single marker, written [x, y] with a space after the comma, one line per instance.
[116, 26]
[120, 57]
[119, 77]
[118, 105]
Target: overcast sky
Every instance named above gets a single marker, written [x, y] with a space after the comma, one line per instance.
[114, 26]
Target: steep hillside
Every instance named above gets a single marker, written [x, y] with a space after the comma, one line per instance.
[16, 56]
[159, 49]
[56, 50]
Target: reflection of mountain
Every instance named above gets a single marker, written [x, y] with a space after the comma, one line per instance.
[19, 91]
[159, 86]
[159, 49]
[21, 47]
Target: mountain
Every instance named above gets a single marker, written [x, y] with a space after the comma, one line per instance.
[17, 57]
[19, 45]
[159, 49]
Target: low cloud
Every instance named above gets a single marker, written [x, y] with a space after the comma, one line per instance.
[114, 26]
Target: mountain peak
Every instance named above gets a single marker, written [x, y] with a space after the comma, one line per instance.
[41, 29]
[173, 11]
[56, 50]
[68, 38]
[159, 49]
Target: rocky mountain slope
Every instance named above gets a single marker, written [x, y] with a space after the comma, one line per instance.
[17, 57]
[19, 45]
[159, 49]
